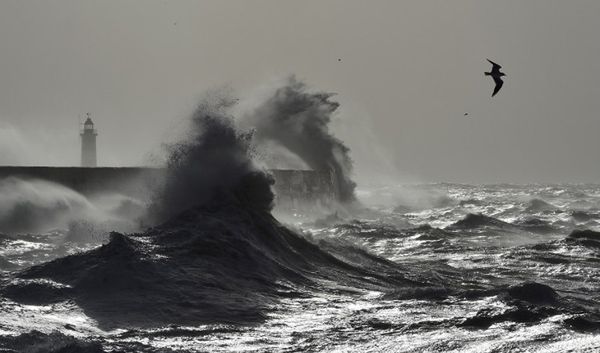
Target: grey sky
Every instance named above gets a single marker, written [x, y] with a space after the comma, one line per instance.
[409, 71]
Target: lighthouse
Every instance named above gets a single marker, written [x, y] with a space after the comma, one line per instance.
[88, 143]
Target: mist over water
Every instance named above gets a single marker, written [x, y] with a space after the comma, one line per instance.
[32, 206]
[37, 205]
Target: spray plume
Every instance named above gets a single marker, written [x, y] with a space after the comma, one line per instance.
[214, 161]
[298, 120]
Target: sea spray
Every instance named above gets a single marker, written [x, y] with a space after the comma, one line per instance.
[215, 158]
[38, 206]
[298, 119]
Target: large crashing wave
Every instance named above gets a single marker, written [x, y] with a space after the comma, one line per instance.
[215, 158]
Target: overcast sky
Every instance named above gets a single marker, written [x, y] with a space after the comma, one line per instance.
[409, 71]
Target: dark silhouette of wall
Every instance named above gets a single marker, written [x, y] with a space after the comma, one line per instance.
[127, 180]
[291, 186]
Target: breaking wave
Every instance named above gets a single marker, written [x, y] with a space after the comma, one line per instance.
[214, 159]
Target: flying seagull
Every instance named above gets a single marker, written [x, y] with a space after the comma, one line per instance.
[496, 75]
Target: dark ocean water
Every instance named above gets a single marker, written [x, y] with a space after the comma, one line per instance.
[439, 267]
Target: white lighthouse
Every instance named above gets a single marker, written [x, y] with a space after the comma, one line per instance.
[88, 143]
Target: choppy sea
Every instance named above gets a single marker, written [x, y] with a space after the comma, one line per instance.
[415, 268]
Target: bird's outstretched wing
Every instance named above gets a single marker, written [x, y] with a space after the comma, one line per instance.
[498, 81]
[495, 68]
[495, 65]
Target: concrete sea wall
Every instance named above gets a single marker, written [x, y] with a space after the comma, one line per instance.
[292, 187]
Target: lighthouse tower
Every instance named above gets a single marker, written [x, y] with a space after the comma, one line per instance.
[88, 143]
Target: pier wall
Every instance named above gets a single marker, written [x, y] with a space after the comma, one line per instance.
[291, 186]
